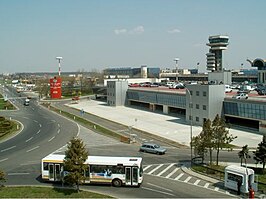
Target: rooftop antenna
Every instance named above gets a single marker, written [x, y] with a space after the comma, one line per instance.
[59, 60]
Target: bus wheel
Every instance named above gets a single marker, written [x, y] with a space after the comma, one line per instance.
[117, 183]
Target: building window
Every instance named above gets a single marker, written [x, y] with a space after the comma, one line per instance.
[197, 93]
[197, 106]
[191, 92]
[204, 107]
[204, 93]
[197, 119]
[190, 105]
[190, 117]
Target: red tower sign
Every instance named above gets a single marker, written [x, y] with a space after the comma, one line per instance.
[55, 88]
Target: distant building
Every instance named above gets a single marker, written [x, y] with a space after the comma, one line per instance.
[261, 65]
[128, 72]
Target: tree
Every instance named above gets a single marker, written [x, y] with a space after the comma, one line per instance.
[2, 177]
[75, 157]
[199, 147]
[207, 137]
[243, 154]
[260, 154]
[220, 135]
[214, 136]
[204, 142]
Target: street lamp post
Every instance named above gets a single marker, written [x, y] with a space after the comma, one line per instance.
[176, 65]
[190, 118]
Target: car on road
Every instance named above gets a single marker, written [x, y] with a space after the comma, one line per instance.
[241, 96]
[152, 148]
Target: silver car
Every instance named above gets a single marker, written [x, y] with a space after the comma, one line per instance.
[152, 148]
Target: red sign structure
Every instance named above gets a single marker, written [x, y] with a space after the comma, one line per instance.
[55, 88]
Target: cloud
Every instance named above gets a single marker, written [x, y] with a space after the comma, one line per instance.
[136, 30]
[174, 31]
[120, 31]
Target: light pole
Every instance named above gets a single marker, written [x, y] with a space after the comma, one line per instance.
[176, 65]
[59, 60]
[190, 118]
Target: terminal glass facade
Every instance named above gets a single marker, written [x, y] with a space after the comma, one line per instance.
[173, 100]
[245, 110]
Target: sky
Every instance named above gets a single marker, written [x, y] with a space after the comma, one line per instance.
[92, 35]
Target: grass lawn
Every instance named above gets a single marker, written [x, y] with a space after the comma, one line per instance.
[46, 192]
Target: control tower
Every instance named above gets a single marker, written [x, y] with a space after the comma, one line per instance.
[217, 44]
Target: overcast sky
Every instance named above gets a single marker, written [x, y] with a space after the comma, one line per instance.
[97, 34]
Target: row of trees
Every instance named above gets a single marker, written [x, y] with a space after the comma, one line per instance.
[259, 154]
[214, 136]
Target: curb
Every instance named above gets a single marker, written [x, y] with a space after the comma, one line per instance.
[198, 175]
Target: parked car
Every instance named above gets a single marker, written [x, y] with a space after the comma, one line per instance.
[228, 89]
[152, 148]
[134, 85]
[177, 86]
[262, 92]
[241, 96]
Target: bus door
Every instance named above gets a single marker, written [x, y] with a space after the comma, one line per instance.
[54, 172]
[132, 176]
[51, 172]
[87, 175]
[57, 172]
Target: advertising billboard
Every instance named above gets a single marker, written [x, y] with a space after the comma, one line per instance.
[55, 87]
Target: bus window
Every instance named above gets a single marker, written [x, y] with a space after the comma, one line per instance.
[45, 166]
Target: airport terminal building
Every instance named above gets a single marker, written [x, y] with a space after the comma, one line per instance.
[197, 102]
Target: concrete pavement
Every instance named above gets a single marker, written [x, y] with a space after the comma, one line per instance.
[166, 126]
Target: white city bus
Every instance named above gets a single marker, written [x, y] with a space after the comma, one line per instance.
[117, 171]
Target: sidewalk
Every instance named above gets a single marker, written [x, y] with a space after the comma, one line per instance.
[165, 126]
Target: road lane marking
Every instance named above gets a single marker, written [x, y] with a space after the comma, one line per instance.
[35, 121]
[8, 148]
[160, 187]
[188, 178]
[38, 132]
[58, 131]
[3, 160]
[26, 118]
[58, 125]
[155, 169]
[40, 125]
[175, 170]
[162, 172]
[147, 167]
[197, 182]
[157, 191]
[179, 176]
[29, 139]
[33, 149]
[206, 185]
[51, 139]
[15, 174]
